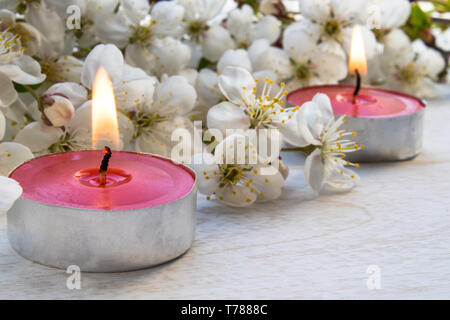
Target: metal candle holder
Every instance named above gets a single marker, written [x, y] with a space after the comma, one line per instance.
[102, 241]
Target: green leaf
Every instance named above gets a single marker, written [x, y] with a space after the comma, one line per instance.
[441, 5]
[252, 3]
[418, 22]
[21, 88]
[205, 63]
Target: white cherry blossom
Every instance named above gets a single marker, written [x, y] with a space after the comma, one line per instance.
[387, 14]
[163, 110]
[29, 36]
[15, 66]
[304, 60]
[410, 67]
[11, 191]
[12, 154]
[234, 175]
[56, 62]
[246, 106]
[334, 21]
[235, 58]
[442, 38]
[319, 130]
[245, 27]
[206, 37]
[150, 34]
[58, 103]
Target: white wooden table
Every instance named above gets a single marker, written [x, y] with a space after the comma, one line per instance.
[301, 246]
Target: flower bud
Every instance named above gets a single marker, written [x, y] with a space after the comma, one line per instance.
[57, 110]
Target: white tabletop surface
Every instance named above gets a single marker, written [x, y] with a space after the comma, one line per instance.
[300, 246]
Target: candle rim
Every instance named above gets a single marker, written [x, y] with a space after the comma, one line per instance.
[174, 162]
[421, 101]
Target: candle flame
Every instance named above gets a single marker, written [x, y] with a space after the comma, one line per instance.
[105, 126]
[357, 59]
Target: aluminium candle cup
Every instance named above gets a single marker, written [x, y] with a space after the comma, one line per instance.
[396, 136]
[95, 240]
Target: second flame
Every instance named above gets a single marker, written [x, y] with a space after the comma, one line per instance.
[357, 60]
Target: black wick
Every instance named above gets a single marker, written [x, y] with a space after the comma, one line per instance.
[104, 165]
[358, 85]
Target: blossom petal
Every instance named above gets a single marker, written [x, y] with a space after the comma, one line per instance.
[268, 187]
[397, 49]
[318, 10]
[168, 16]
[232, 82]
[51, 27]
[60, 112]
[236, 148]
[73, 91]
[139, 56]
[11, 155]
[239, 23]
[235, 58]
[268, 28]
[38, 137]
[324, 104]
[430, 60]
[394, 13]
[151, 143]
[11, 191]
[130, 73]
[30, 38]
[315, 170]
[2, 125]
[207, 87]
[68, 69]
[300, 39]
[110, 26]
[236, 196]
[7, 94]
[443, 39]
[291, 133]
[206, 169]
[226, 115]
[175, 96]
[310, 122]
[25, 70]
[340, 179]
[190, 75]
[135, 93]
[171, 55]
[136, 10]
[330, 62]
[276, 60]
[349, 10]
[216, 41]
[109, 57]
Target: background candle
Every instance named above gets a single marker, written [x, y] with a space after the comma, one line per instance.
[389, 124]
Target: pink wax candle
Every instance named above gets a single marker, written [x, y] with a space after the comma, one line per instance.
[370, 102]
[389, 124]
[103, 211]
[133, 180]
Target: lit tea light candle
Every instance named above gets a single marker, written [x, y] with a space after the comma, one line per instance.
[389, 124]
[103, 210]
